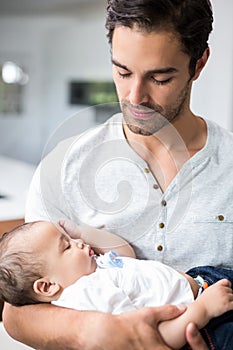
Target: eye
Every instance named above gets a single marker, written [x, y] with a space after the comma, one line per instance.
[67, 245]
[161, 82]
[124, 75]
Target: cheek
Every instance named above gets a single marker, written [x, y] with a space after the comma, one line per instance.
[116, 82]
[115, 76]
[160, 95]
[76, 271]
[167, 95]
[122, 85]
[81, 265]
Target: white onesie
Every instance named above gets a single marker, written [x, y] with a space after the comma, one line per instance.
[136, 284]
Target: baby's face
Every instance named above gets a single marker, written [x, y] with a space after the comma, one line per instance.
[65, 259]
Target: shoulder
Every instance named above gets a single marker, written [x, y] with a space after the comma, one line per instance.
[219, 133]
[70, 152]
[90, 149]
[220, 142]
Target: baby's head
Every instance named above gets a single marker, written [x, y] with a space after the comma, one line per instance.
[38, 260]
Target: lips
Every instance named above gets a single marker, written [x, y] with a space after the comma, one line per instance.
[141, 113]
[91, 252]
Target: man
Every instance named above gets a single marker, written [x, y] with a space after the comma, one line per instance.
[150, 177]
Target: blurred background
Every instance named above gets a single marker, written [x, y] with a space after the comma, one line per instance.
[54, 62]
[57, 43]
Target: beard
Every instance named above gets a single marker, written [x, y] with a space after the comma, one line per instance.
[158, 117]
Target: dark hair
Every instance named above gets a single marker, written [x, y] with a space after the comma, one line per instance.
[190, 20]
[18, 270]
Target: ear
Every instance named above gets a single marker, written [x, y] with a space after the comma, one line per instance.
[46, 288]
[201, 63]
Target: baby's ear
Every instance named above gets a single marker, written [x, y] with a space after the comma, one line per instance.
[46, 288]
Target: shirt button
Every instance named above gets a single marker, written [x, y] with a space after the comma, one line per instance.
[221, 217]
[155, 186]
[161, 225]
[164, 203]
[160, 248]
[146, 170]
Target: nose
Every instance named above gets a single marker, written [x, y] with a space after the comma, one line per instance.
[138, 92]
[81, 244]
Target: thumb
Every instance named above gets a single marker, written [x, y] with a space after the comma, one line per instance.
[194, 338]
[169, 312]
[155, 315]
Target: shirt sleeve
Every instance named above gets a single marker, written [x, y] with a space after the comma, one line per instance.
[45, 199]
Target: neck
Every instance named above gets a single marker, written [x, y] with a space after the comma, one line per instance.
[185, 133]
[169, 149]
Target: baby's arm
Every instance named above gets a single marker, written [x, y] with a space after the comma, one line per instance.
[100, 240]
[214, 301]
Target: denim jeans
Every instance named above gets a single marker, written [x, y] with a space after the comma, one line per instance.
[218, 333]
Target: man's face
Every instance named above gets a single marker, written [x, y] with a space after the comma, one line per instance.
[151, 73]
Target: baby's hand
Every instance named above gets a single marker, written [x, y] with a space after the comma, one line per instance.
[70, 227]
[217, 299]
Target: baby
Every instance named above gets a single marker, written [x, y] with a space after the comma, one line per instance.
[40, 262]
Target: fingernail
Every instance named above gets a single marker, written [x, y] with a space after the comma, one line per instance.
[181, 307]
[193, 329]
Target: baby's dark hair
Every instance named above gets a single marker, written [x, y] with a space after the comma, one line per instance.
[190, 20]
[18, 269]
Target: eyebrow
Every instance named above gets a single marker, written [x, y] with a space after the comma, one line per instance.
[119, 65]
[165, 70]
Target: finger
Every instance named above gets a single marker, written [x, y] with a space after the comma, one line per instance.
[65, 223]
[194, 338]
[166, 312]
[70, 227]
[224, 282]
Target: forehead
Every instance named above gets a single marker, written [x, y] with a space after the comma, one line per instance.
[39, 236]
[156, 48]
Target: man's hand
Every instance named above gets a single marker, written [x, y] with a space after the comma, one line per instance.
[134, 330]
[194, 338]
[49, 327]
[137, 330]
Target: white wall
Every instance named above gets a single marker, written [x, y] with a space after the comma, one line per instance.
[55, 50]
[58, 49]
[21, 40]
[213, 91]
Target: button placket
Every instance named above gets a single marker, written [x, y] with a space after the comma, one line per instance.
[163, 203]
[161, 220]
[152, 181]
[146, 170]
[161, 227]
[163, 214]
[155, 186]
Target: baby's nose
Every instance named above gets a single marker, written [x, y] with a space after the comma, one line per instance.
[79, 243]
